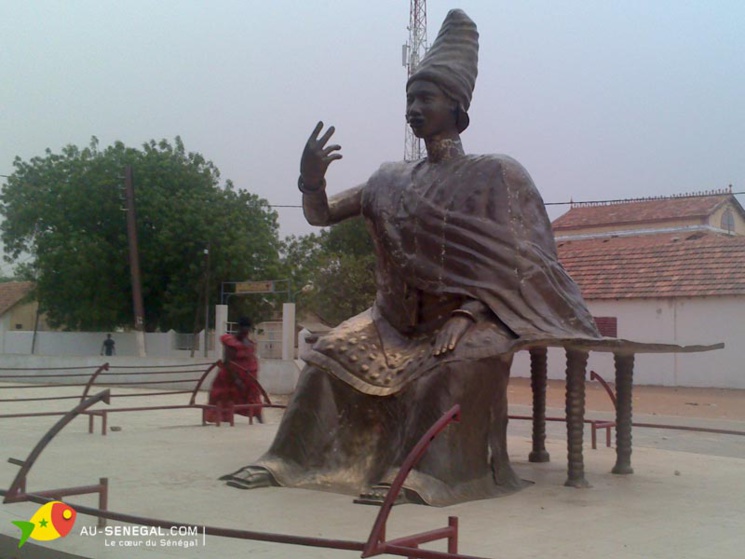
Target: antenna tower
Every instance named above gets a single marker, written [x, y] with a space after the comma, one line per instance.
[413, 51]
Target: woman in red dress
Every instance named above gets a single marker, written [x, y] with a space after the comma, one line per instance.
[234, 384]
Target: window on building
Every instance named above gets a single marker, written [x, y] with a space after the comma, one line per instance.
[728, 221]
[607, 325]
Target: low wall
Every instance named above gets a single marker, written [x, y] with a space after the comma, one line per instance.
[158, 344]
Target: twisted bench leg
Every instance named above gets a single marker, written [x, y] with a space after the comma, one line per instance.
[575, 414]
[624, 380]
[538, 380]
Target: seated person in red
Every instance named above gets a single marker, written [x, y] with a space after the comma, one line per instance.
[234, 384]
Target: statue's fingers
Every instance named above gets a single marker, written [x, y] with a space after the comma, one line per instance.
[329, 149]
[455, 338]
[439, 345]
[333, 157]
[446, 342]
[316, 131]
[325, 138]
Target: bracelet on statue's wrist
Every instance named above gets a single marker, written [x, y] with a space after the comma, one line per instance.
[464, 312]
[305, 189]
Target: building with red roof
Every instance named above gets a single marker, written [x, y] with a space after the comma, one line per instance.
[664, 270]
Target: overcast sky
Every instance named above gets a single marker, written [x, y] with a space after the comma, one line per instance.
[598, 99]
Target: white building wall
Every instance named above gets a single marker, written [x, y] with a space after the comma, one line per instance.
[683, 321]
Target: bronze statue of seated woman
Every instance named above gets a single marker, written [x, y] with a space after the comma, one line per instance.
[467, 272]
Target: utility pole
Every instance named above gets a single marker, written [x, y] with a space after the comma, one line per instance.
[206, 297]
[413, 51]
[134, 261]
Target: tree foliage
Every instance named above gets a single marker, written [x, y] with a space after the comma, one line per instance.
[337, 269]
[65, 209]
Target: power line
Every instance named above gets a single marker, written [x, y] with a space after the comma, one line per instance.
[581, 202]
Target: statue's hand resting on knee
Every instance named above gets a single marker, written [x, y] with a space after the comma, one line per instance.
[458, 324]
[451, 333]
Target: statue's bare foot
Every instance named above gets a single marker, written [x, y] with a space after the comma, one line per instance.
[250, 477]
[376, 495]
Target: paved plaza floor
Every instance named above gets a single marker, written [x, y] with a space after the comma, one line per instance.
[686, 498]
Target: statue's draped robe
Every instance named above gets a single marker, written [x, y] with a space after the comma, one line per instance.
[470, 229]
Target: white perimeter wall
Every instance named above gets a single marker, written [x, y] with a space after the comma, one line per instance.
[707, 320]
[89, 343]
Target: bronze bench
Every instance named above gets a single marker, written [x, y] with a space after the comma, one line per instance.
[577, 353]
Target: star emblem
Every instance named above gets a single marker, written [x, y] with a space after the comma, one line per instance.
[43, 523]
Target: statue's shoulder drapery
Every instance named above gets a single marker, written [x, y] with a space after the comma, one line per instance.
[471, 228]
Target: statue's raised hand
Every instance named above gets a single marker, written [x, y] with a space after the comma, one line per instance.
[317, 156]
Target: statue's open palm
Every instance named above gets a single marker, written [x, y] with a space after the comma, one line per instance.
[317, 157]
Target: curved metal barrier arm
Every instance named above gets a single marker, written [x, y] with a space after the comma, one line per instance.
[94, 376]
[375, 544]
[253, 380]
[15, 487]
[608, 389]
[193, 399]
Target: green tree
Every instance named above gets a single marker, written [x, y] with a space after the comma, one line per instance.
[338, 264]
[65, 210]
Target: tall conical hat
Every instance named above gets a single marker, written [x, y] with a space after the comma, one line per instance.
[452, 61]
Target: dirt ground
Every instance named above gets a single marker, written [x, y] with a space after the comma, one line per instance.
[706, 403]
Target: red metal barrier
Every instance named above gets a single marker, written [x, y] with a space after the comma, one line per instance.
[376, 543]
[348, 545]
[17, 490]
[25, 376]
[649, 425]
[406, 546]
[103, 414]
[596, 425]
[94, 379]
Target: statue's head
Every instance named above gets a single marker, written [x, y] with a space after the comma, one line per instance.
[430, 111]
[451, 65]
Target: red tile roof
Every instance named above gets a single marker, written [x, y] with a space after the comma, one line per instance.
[11, 293]
[628, 212]
[651, 266]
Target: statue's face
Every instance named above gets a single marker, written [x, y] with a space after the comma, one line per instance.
[429, 112]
